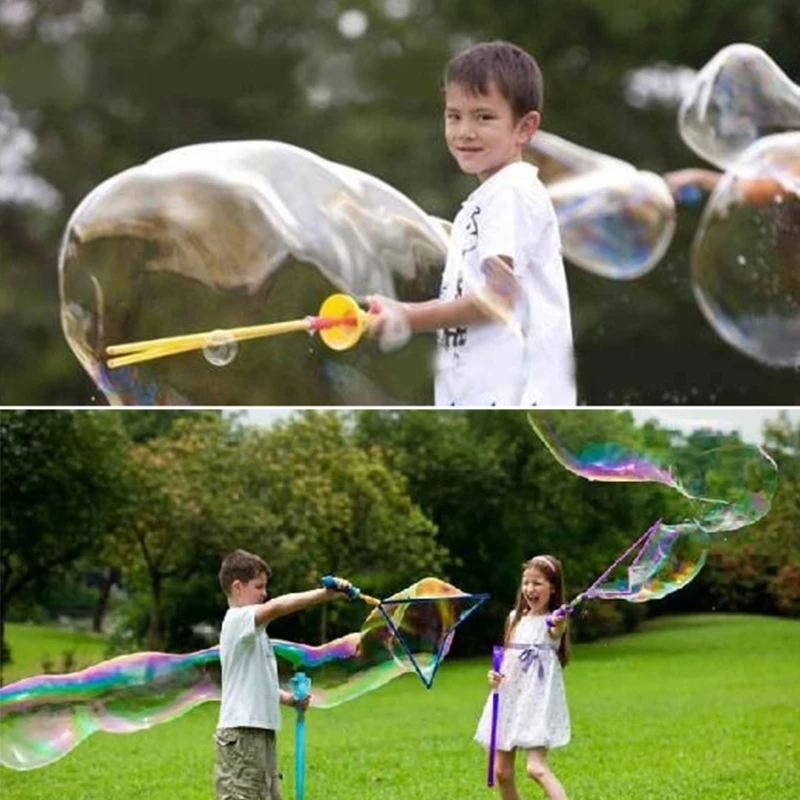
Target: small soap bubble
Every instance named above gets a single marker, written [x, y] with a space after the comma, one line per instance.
[221, 348]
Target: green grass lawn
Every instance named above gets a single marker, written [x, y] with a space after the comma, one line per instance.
[32, 644]
[693, 708]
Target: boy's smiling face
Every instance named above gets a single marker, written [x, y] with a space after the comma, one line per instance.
[481, 131]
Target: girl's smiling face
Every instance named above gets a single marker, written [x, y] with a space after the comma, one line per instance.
[536, 589]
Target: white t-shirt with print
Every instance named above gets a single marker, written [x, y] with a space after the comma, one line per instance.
[527, 360]
[250, 688]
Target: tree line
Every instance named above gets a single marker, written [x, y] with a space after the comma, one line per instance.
[148, 502]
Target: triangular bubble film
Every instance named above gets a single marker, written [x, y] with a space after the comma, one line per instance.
[411, 631]
[424, 618]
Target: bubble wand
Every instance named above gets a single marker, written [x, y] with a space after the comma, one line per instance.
[300, 684]
[354, 593]
[560, 613]
[385, 606]
[497, 662]
[340, 323]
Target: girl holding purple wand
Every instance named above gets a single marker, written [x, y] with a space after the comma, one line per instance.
[533, 713]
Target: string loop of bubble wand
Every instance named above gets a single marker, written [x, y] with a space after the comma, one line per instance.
[568, 608]
[340, 324]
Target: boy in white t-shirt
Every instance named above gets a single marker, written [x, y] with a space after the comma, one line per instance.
[504, 333]
[246, 764]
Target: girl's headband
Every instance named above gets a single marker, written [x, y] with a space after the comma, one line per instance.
[547, 560]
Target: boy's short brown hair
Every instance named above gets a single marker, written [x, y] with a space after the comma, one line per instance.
[515, 73]
[241, 566]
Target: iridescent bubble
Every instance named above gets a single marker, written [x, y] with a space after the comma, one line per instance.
[745, 257]
[221, 348]
[44, 718]
[411, 631]
[232, 234]
[740, 96]
[615, 221]
[728, 485]
[667, 558]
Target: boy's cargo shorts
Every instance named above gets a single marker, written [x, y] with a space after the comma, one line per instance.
[246, 764]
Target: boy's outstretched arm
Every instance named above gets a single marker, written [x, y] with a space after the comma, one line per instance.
[433, 315]
[297, 601]
[758, 191]
[428, 316]
[437, 314]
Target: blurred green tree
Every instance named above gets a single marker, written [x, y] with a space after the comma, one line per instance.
[63, 487]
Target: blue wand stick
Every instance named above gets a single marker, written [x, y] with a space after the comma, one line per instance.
[300, 684]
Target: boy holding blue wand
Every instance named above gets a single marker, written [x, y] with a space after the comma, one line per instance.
[246, 763]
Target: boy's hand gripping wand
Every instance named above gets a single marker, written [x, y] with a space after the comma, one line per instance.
[354, 593]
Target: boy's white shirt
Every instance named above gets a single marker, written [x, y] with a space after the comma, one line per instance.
[528, 362]
[250, 688]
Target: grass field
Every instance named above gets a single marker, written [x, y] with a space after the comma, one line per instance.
[696, 708]
[31, 644]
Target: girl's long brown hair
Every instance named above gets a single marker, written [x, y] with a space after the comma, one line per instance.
[550, 567]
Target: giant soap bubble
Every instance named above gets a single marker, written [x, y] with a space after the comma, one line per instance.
[615, 220]
[230, 234]
[740, 96]
[45, 717]
[746, 254]
[218, 236]
[727, 486]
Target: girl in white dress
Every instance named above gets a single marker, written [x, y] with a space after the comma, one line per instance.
[533, 713]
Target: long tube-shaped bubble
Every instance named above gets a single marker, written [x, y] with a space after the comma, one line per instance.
[730, 485]
[45, 717]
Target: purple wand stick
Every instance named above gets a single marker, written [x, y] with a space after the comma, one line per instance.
[497, 662]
